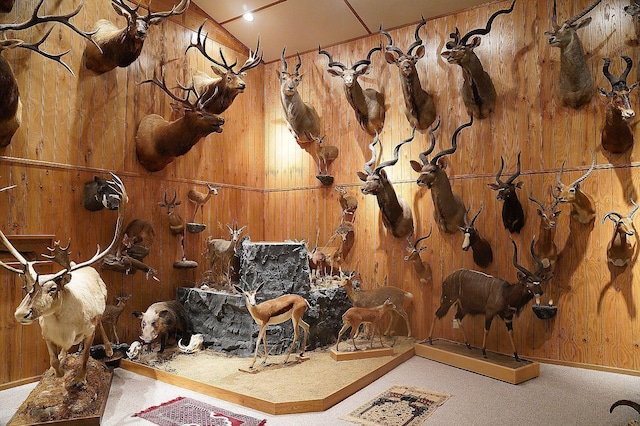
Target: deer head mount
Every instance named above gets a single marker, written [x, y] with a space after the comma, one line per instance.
[228, 83]
[482, 253]
[620, 251]
[302, 119]
[396, 213]
[448, 207]
[159, 142]
[512, 213]
[582, 204]
[368, 104]
[545, 248]
[617, 135]
[575, 84]
[119, 47]
[10, 104]
[419, 107]
[478, 91]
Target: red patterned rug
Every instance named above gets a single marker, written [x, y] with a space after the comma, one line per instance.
[186, 411]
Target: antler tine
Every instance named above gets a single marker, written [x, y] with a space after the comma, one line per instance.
[368, 164]
[517, 173]
[432, 145]
[454, 143]
[123, 5]
[396, 152]
[485, 30]
[35, 47]
[60, 254]
[581, 14]
[298, 65]
[605, 70]
[586, 175]
[332, 63]
[418, 41]
[177, 9]
[201, 45]
[515, 261]
[163, 85]
[534, 200]
[284, 62]
[635, 209]
[623, 76]
[254, 59]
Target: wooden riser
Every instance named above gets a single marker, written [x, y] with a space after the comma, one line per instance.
[361, 354]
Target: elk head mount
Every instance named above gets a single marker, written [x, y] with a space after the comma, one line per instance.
[396, 212]
[620, 251]
[10, 104]
[582, 204]
[419, 107]
[119, 47]
[159, 142]
[478, 91]
[482, 253]
[575, 84]
[368, 104]
[617, 136]
[545, 248]
[448, 207]
[512, 213]
[228, 83]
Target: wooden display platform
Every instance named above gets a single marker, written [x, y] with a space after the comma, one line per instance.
[360, 354]
[496, 365]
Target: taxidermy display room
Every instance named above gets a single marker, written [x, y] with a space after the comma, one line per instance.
[300, 212]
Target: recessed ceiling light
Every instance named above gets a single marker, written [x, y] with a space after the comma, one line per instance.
[248, 17]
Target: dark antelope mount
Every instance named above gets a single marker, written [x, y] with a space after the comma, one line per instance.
[512, 213]
[159, 142]
[482, 253]
[620, 251]
[10, 104]
[478, 91]
[119, 47]
[575, 84]
[368, 104]
[582, 204]
[396, 213]
[476, 293]
[419, 107]
[448, 208]
[617, 135]
[6, 5]
[545, 248]
[228, 83]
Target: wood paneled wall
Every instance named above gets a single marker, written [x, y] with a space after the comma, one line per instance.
[77, 127]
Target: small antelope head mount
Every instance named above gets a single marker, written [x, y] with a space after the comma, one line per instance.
[482, 252]
[512, 213]
[575, 84]
[119, 47]
[545, 247]
[368, 104]
[617, 136]
[423, 269]
[582, 204]
[10, 104]
[228, 82]
[419, 109]
[478, 91]
[620, 251]
[159, 142]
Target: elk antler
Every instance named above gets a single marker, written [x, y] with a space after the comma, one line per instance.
[454, 143]
[157, 17]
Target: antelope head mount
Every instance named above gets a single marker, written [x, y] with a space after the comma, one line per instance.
[545, 248]
[617, 136]
[229, 82]
[478, 91]
[119, 47]
[620, 251]
[582, 204]
[448, 207]
[482, 253]
[396, 212]
[159, 142]
[423, 269]
[512, 213]
[10, 104]
[575, 84]
[419, 107]
[368, 104]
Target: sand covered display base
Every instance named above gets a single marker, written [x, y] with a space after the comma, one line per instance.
[300, 386]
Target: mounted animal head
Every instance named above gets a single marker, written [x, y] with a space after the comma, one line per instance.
[562, 35]
[532, 280]
[406, 62]
[548, 215]
[623, 224]
[512, 212]
[582, 205]
[506, 189]
[137, 24]
[229, 82]
[349, 75]
[619, 94]
[620, 251]
[289, 81]
[235, 232]
[414, 251]
[469, 230]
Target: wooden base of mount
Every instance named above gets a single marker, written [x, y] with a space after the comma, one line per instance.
[360, 354]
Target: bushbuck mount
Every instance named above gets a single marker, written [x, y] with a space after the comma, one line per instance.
[10, 104]
[448, 207]
[199, 199]
[575, 85]
[423, 269]
[478, 91]
[302, 118]
[476, 293]
[228, 83]
[620, 251]
[6, 6]
[324, 155]
[70, 303]
[219, 253]
[617, 135]
[512, 213]
[354, 317]
[582, 204]
[177, 227]
[159, 142]
[118, 47]
[419, 107]
[545, 248]
[396, 212]
[482, 253]
[368, 104]
[276, 311]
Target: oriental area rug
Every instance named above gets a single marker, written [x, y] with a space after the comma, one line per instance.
[187, 411]
[398, 406]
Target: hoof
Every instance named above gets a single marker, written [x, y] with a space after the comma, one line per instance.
[469, 347]
[430, 341]
[515, 355]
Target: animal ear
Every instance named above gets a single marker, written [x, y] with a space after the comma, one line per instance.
[583, 23]
[335, 73]
[163, 313]
[390, 57]
[633, 86]
[602, 92]
[137, 314]
[362, 176]
[420, 52]
[442, 162]
[475, 42]
[416, 166]
[493, 186]
[539, 212]
[446, 54]
[238, 289]
[520, 184]
[219, 71]
[382, 173]
[521, 276]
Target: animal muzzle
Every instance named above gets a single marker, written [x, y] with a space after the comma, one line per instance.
[466, 243]
[25, 317]
[627, 114]
[149, 339]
